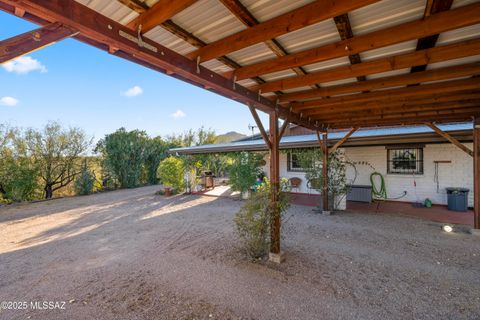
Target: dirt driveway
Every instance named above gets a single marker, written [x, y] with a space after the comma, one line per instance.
[130, 254]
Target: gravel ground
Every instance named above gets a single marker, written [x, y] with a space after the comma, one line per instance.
[130, 254]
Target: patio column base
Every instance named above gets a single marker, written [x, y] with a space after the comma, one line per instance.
[276, 257]
[475, 232]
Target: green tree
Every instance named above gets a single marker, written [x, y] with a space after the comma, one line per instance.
[85, 181]
[56, 151]
[18, 172]
[155, 151]
[171, 173]
[244, 170]
[123, 154]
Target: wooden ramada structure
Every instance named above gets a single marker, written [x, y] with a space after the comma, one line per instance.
[320, 64]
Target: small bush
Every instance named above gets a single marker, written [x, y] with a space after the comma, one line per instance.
[244, 171]
[170, 172]
[252, 222]
[85, 182]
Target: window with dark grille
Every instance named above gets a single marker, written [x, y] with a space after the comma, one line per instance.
[405, 160]
[293, 163]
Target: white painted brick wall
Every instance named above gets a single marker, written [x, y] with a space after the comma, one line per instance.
[459, 173]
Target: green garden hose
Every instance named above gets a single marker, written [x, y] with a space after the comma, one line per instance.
[378, 193]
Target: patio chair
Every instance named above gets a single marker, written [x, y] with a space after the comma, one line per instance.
[294, 183]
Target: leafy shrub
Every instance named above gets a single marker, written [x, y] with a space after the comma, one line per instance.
[85, 181]
[245, 170]
[170, 172]
[21, 182]
[252, 222]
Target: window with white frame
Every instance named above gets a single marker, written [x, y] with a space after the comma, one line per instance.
[293, 162]
[405, 160]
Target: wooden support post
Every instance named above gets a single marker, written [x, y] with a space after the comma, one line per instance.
[33, 40]
[342, 141]
[325, 208]
[449, 138]
[476, 172]
[275, 223]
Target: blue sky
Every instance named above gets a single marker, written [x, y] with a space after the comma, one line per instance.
[82, 86]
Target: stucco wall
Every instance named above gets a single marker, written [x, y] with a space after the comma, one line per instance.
[459, 173]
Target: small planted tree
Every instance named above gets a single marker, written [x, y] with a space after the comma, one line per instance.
[85, 181]
[244, 170]
[170, 172]
[311, 162]
[252, 222]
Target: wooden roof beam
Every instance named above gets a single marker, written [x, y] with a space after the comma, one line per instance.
[432, 7]
[344, 28]
[436, 23]
[398, 62]
[445, 73]
[448, 137]
[391, 94]
[299, 18]
[415, 120]
[159, 13]
[33, 40]
[183, 34]
[342, 141]
[247, 18]
[432, 100]
[97, 29]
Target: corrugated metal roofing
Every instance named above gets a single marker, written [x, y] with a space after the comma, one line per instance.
[210, 20]
[301, 140]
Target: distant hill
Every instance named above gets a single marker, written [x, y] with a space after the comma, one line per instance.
[229, 137]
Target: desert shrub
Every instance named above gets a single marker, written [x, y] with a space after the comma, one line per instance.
[21, 182]
[244, 170]
[85, 181]
[170, 172]
[252, 222]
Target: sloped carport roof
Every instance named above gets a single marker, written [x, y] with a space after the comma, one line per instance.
[319, 64]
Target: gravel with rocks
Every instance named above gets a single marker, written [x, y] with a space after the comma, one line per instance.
[131, 254]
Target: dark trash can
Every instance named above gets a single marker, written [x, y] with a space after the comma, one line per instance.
[457, 199]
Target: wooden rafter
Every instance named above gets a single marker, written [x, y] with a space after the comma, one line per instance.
[33, 40]
[414, 120]
[96, 28]
[183, 34]
[344, 28]
[159, 13]
[391, 94]
[446, 73]
[401, 104]
[247, 18]
[432, 7]
[288, 22]
[401, 61]
[436, 23]
[260, 126]
[450, 138]
[342, 141]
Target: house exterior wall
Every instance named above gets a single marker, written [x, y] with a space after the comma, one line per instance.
[458, 173]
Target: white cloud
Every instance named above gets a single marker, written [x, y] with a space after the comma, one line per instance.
[8, 101]
[178, 114]
[133, 91]
[24, 65]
